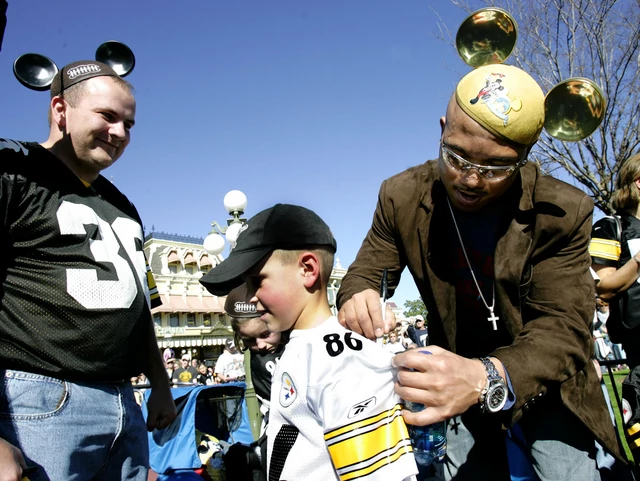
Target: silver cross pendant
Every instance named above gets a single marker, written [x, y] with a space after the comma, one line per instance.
[493, 318]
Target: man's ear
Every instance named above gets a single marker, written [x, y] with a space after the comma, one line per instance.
[310, 264]
[443, 122]
[58, 111]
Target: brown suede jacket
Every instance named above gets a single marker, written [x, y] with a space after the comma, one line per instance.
[544, 292]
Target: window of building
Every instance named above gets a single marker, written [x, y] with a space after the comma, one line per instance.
[191, 268]
[157, 319]
[191, 319]
[190, 264]
[205, 264]
[174, 319]
[173, 262]
[206, 320]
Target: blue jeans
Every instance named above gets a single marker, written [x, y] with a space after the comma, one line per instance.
[74, 431]
[560, 447]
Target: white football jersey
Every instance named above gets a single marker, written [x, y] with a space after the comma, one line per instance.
[334, 414]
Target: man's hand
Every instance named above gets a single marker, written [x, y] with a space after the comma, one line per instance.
[362, 314]
[447, 384]
[12, 462]
[161, 410]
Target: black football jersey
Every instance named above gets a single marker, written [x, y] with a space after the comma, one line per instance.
[263, 366]
[74, 297]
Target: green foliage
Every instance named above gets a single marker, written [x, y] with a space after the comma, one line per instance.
[414, 308]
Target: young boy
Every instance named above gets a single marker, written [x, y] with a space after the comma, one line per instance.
[334, 414]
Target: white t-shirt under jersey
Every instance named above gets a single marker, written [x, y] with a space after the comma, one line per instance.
[334, 414]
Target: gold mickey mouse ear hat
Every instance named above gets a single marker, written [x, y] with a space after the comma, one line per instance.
[506, 100]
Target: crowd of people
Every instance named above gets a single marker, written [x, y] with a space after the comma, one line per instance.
[229, 367]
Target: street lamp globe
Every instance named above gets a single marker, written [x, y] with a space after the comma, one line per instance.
[233, 231]
[214, 244]
[235, 201]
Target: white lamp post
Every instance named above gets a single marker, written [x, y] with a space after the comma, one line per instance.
[235, 202]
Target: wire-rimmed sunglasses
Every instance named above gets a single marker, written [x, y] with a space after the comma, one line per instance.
[488, 172]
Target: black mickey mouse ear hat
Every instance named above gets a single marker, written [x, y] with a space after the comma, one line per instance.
[40, 73]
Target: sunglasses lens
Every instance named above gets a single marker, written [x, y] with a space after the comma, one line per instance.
[462, 165]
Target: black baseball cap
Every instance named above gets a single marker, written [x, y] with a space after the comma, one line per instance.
[237, 305]
[77, 72]
[283, 226]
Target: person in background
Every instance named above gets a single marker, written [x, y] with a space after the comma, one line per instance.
[185, 374]
[68, 351]
[499, 254]
[393, 345]
[418, 333]
[265, 347]
[204, 376]
[615, 254]
[230, 364]
[170, 366]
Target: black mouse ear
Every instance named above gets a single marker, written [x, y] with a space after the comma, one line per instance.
[35, 71]
[117, 56]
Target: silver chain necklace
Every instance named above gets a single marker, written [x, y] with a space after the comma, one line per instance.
[492, 318]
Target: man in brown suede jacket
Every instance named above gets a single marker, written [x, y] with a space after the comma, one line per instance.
[499, 253]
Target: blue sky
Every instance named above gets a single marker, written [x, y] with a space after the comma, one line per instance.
[306, 102]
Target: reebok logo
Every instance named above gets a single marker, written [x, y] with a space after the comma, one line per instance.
[361, 407]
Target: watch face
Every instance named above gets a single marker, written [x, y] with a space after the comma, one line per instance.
[496, 397]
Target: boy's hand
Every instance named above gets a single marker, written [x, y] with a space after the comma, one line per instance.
[362, 314]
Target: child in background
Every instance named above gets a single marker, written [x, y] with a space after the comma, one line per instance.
[334, 413]
[265, 347]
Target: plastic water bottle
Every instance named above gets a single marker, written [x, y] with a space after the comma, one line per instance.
[429, 442]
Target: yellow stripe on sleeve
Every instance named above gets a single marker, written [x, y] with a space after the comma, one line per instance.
[370, 446]
[380, 463]
[605, 249]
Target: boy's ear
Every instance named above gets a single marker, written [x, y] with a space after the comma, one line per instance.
[310, 264]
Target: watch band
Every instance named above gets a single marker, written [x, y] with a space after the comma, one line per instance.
[494, 396]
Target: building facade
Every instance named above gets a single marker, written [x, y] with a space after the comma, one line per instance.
[191, 320]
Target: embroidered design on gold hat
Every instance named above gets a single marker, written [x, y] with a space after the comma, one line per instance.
[495, 96]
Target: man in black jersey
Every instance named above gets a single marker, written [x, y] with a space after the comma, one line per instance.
[75, 298]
